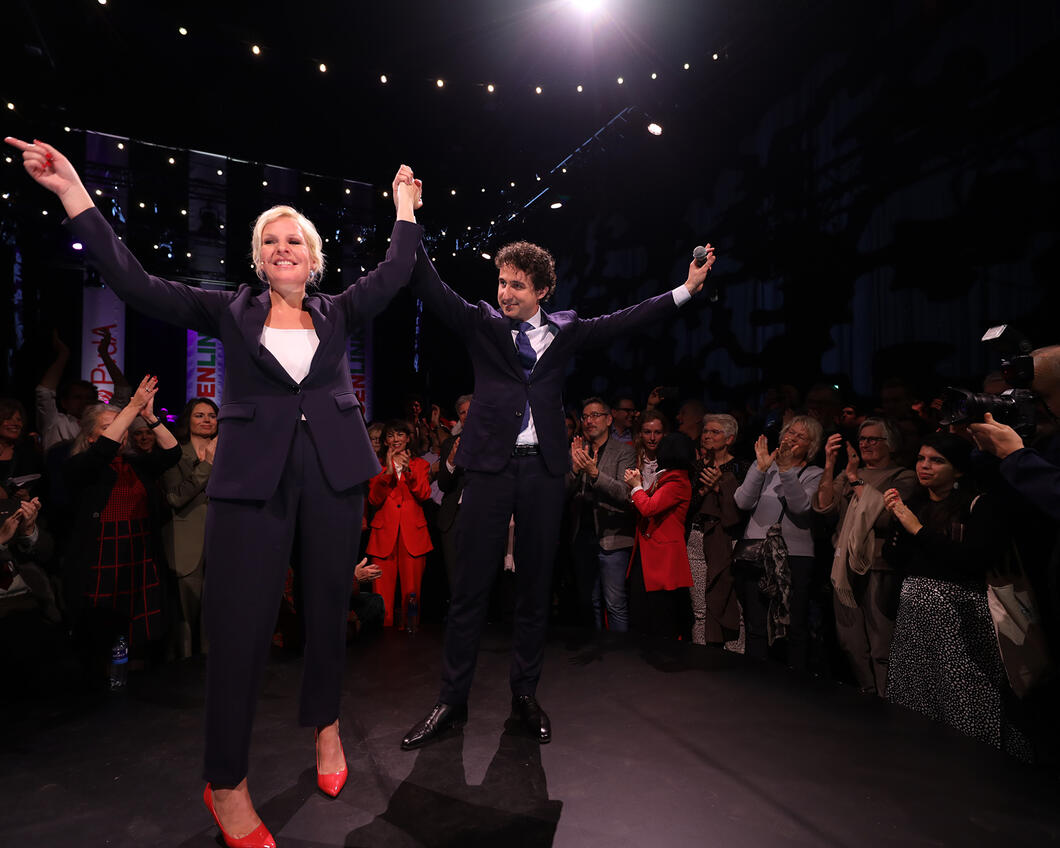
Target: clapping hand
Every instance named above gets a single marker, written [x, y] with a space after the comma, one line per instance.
[581, 459]
[896, 506]
[144, 398]
[763, 457]
[709, 478]
[632, 477]
[363, 573]
[397, 460]
[28, 511]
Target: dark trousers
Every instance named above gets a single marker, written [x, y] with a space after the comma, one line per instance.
[249, 548]
[755, 606]
[661, 612]
[525, 489]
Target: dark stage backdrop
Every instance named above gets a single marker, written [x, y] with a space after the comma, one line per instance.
[880, 181]
[880, 190]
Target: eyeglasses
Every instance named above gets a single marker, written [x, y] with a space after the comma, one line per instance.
[592, 416]
[623, 409]
[871, 440]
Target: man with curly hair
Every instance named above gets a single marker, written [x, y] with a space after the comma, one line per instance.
[515, 454]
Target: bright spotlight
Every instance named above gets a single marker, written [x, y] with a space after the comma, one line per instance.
[255, 50]
[654, 129]
[587, 6]
[557, 205]
[77, 246]
[440, 83]
[486, 255]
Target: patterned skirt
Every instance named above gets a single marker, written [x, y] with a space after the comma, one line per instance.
[945, 662]
[125, 578]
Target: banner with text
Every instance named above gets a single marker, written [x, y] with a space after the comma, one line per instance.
[206, 365]
[101, 313]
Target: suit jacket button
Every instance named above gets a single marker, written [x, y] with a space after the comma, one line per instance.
[296, 390]
[519, 415]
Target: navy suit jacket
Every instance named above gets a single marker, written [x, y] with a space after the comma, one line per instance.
[262, 404]
[502, 388]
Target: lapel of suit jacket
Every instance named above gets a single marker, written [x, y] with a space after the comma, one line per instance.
[322, 325]
[555, 327]
[252, 325]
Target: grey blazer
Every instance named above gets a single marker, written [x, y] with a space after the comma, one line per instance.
[613, 514]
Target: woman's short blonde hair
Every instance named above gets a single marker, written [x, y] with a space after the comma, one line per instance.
[309, 232]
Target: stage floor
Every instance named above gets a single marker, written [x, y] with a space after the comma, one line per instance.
[650, 748]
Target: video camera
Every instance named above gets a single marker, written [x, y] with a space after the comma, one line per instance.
[1015, 407]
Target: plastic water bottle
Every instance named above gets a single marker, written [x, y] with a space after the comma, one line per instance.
[119, 663]
[412, 614]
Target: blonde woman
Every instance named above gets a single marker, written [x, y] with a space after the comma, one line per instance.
[291, 457]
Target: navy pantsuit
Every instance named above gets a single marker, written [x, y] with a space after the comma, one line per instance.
[289, 462]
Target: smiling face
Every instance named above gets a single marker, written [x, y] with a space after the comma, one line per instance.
[934, 471]
[797, 438]
[203, 421]
[11, 428]
[285, 257]
[144, 438]
[651, 433]
[396, 440]
[516, 295]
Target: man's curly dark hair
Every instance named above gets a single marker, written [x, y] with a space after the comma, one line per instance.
[533, 260]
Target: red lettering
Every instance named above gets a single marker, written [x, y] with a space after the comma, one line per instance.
[205, 375]
[206, 389]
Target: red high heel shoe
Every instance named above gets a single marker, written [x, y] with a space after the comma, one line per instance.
[257, 838]
[331, 784]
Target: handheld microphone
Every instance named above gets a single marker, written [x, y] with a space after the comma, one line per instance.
[700, 256]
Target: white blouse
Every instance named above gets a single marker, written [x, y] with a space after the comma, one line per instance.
[293, 349]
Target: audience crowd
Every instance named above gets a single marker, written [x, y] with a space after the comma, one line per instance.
[870, 541]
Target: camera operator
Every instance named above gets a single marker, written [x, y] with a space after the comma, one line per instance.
[1033, 471]
[1028, 478]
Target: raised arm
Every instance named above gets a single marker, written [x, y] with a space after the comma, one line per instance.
[48, 167]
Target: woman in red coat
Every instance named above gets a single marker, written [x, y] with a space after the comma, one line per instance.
[659, 574]
[399, 541]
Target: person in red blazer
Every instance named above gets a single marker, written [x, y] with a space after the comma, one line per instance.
[399, 542]
[659, 574]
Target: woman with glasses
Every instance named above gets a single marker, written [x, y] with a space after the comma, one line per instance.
[715, 522]
[865, 596]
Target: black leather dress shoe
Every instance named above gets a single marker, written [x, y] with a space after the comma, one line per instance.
[533, 717]
[441, 718]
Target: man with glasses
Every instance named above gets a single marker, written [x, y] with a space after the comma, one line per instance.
[624, 415]
[602, 520]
